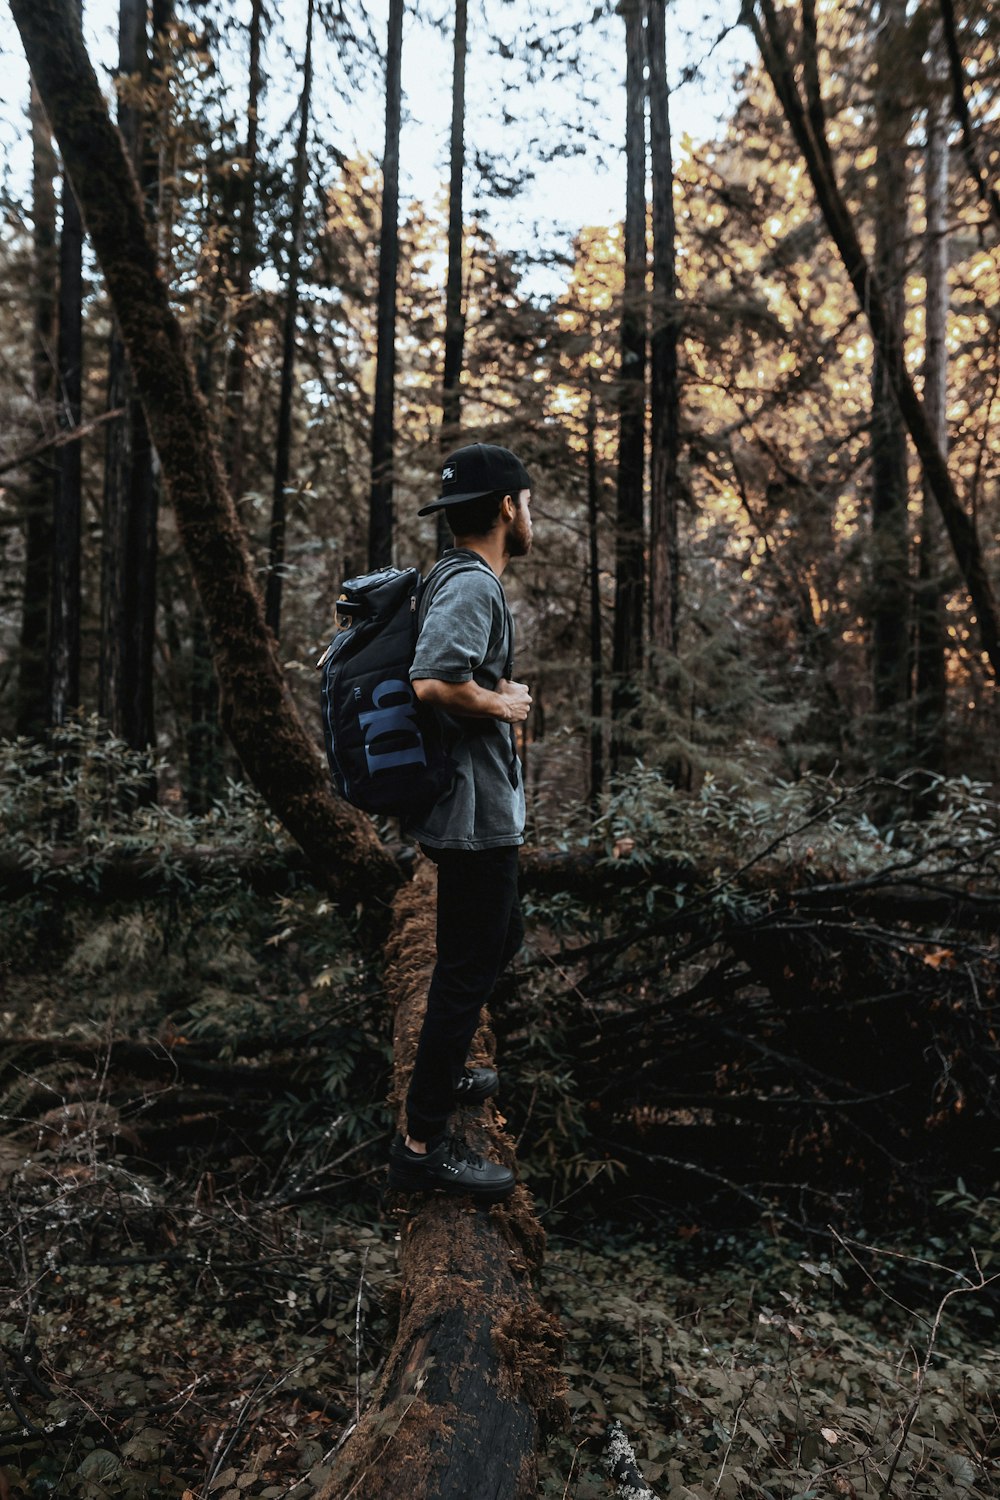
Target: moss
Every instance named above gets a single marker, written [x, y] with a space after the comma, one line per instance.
[529, 1345]
[394, 1450]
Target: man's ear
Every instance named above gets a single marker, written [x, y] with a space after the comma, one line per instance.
[508, 507]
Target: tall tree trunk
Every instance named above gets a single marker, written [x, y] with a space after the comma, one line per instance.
[890, 487]
[283, 442]
[161, 167]
[931, 698]
[204, 742]
[594, 582]
[64, 618]
[259, 712]
[664, 566]
[32, 697]
[808, 126]
[236, 401]
[629, 538]
[128, 572]
[454, 313]
[380, 518]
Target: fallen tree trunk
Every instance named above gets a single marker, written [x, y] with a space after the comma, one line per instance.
[137, 876]
[473, 1372]
[258, 711]
[125, 874]
[925, 898]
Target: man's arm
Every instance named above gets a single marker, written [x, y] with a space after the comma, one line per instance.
[467, 700]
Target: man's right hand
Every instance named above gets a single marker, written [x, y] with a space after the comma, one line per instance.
[517, 700]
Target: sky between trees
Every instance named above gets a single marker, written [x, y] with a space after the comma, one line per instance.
[705, 46]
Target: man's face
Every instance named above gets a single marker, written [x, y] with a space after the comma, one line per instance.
[519, 531]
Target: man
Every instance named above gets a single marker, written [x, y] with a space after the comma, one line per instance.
[462, 669]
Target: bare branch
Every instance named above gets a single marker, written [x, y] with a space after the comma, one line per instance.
[59, 440]
[988, 193]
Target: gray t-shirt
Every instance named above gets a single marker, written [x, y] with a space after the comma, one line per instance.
[466, 634]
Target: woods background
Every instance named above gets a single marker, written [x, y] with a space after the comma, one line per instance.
[750, 1064]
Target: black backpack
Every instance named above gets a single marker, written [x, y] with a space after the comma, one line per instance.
[385, 751]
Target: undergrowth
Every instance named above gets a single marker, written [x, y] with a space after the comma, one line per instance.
[771, 1375]
[199, 1286]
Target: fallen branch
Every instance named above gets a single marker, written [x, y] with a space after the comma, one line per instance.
[58, 440]
[623, 1466]
[130, 876]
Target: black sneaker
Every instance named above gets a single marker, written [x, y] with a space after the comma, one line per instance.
[451, 1167]
[476, 1084]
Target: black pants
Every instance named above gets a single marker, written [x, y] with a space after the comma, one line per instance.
[479, 929]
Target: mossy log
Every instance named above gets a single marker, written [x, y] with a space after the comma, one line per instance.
[474, 1372]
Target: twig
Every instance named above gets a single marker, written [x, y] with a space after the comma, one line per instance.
[357, 1341]
[572, 1468]
[224, 1442]
[924, 1365]
[922, 1373]
[732, 1438]
[22, 1416]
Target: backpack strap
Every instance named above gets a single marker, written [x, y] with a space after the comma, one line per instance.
[446, 568]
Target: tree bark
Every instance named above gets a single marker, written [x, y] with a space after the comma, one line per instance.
[664, 567]
[454, 313]
[380, 518]
[810, 135]
[32, 698]
[283, 442]
[474, 1368]
[890, 597]
[259, 713]
[236, 402]
[629, 540]
[128, 572]
[64, 617]
[594, 589]
[205, 778]
[930, 704]
[161, 164]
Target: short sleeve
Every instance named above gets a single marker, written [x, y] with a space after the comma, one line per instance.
[458, 626]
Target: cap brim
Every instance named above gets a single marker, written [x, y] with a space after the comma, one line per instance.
[443, 500]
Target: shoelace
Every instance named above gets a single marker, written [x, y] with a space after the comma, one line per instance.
[456, 1148]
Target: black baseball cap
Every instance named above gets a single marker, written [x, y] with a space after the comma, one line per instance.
[479, 469]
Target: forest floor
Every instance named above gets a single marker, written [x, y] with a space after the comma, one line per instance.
[199, 1268]
[181, 1340]
[202, 1277]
